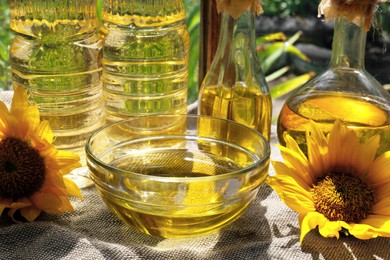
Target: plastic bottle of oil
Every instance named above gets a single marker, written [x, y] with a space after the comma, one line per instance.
[145, 58]
[56, 55]
[345, 91]
[234, 87]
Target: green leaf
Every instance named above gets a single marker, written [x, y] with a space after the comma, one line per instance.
[193, 25]
[279, 36]
[270, 55]
[99, 7]
[277, 74]
[294, 38]
[193, 19]
[290, 85]
[3, 52]
[296, 52]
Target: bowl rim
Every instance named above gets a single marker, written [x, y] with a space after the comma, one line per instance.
[135, 175]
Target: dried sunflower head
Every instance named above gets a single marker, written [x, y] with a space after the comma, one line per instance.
[236, 7]
[357, 11]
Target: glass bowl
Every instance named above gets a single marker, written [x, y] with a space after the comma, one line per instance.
[177, 175]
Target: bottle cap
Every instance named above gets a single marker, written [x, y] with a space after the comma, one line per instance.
[353, 10]
[236, 7]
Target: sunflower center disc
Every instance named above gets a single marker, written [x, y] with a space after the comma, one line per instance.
[22, 169]
[342, 196]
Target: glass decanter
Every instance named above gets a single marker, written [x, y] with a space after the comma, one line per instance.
[235, 88]
[345, 91]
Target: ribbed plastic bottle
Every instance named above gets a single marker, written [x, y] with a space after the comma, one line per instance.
[145, 58]
[56, 55]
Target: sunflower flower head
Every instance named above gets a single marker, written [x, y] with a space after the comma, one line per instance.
[32, 170]
[341, 185]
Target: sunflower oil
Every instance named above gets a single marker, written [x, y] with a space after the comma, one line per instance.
[248, 106]
[344, 91]
[177, 183]
[187, 209]
[56, 56]
[366, 116]
[145, 58]
[234, 88]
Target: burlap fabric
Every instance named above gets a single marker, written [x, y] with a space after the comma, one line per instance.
[267, 230]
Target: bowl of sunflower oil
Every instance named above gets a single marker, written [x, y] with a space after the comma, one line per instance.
[177, 176]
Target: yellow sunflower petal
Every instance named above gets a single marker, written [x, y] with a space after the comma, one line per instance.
[24, 122]
[19, 100]
[331, 228]
[21, 203]
[293, 145]
[297, 162]
[342, 143]
[347, 154]
[72, 189]
[317, 150]
[32, 118]
[45, 132]
[377, 223]
[54, 183]
[15, 206]
[65, 206]
[310, 221]
[26, 115]
[294, 196]
[67, 161]
[297, 203]
[4, 114]
[302, 178]
[378, 173]
[382, 192]
[30, 213]
[365, 156]
[382, 207]
[371, 227]
[46, 201]
[5, 203]
[342, 146]
[56, 160]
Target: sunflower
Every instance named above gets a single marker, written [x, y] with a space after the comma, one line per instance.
[340, 186]
[31, 169]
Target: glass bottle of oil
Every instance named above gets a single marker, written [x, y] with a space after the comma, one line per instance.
[345, 91]
[145, 58]
[56, 56]
[235, 88]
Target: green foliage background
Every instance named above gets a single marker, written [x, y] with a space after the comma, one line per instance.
[5, 40]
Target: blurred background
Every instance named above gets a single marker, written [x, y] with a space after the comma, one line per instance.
[293, 44]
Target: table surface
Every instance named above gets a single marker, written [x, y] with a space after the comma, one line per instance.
[267, 230]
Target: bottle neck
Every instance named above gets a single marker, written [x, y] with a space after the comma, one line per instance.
[236, 57]
[141, 13]
[237, 35]
[53, 20]
[349, 43]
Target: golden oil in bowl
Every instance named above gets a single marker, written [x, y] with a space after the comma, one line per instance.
[180, 184]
